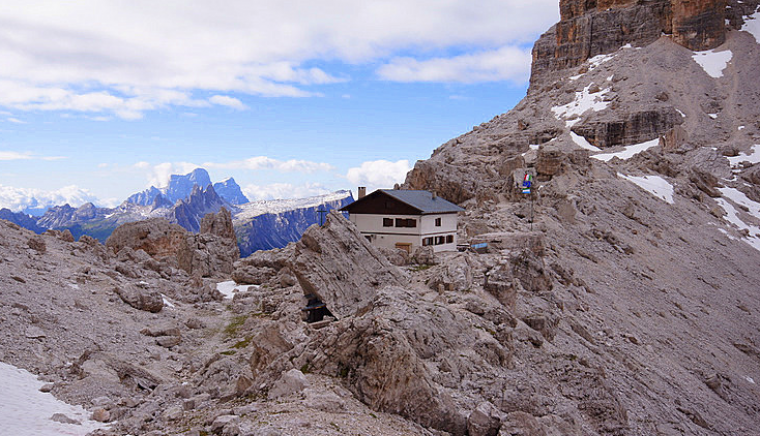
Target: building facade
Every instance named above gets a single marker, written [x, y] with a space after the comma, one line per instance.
[406, 219]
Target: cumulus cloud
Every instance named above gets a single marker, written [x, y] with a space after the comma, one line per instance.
[505, 64]
[276, 191]
[113, 58]
[23, 199]
[224, 100]
[378, 174]
[268, 163]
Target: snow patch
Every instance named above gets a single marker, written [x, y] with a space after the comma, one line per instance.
[732, 216]
[752, 25]
[740, 198]
[167, 303]
[230, 288]
[25, 411]
[584, 100]
[742, 127]
[753, 157]
[683, 115]
[628, 152]
[713, 116]
[750, 379]
[655, 185]
[713, 62]
[534, 146]
[582, 143]
[600, 59]
[73, 286]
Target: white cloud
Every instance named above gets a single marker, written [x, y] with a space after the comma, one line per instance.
[505, 64]
[276, 191]
[26, 155]
[159, 175]
[115, 58]
[378, 174]
[224, 100]
[267, 163]
[21, 199]
[14, 155]
[15, 121]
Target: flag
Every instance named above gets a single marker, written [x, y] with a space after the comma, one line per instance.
[526, 191]
[527, 181]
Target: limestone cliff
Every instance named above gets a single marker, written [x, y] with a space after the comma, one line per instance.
[592, 27]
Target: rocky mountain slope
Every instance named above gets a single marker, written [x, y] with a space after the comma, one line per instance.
[628, 306]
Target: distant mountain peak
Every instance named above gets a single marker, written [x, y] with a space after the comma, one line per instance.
[230, 191]
[180, 187]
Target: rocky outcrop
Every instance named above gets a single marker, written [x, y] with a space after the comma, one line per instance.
[157, 237]
[338, 265]
[211, 252]
[627, 129]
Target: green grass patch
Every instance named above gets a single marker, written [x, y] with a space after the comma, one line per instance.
[424, 267]
[244, 343]
[228, 352]
[234, 325]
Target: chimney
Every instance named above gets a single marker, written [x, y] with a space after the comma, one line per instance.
[435, 194]
[362, 192]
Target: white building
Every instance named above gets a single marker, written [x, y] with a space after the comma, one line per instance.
[394, 218]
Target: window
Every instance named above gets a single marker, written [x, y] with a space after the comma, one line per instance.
[438, 222]
[387, 222]
[427, 241]
[440, 240]
[450, 239]
[403, 222]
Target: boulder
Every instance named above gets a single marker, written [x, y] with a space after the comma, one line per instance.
[140, 298]
[291, 382]
[485, 420]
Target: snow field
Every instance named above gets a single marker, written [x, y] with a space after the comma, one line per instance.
[25, 411]
[655, 185]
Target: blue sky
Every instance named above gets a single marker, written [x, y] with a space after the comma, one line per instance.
[290, 98]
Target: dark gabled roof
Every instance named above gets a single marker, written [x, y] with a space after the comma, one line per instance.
[421, 201]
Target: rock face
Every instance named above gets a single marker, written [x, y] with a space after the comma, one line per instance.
[214, 250]
[590, 28]
[157, 237]
[211, 252]
[339, 266]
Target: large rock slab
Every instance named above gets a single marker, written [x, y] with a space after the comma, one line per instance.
[342, 268]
